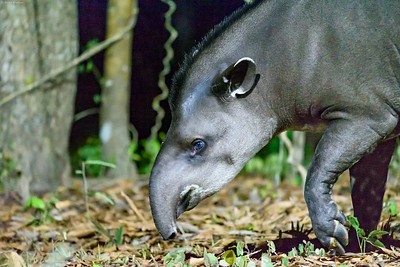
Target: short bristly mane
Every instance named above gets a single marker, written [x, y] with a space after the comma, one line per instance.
[191, 57]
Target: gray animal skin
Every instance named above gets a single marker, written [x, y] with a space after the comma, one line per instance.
[331, 66]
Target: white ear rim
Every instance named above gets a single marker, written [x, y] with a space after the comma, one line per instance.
[244, 59]
[241, 90]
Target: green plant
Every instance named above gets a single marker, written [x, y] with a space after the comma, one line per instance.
[266, 260]
[266, 165]
[8, 167]
[278, 160]
[210, 260]
[285, 261]
[82, 172]
[42, 209]
[267, 190]
[229, 258]
[101, 196]
[115, 238]
[7, 164]
[145, 253]
[144, 152]
[362, 238]
[175, 258]
[390, 206]
[306, 249]
[268, 162]
[90, 151]
[271, 247]
[236, 257]
[88, 66]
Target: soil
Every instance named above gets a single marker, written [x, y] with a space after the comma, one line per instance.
[250, 210]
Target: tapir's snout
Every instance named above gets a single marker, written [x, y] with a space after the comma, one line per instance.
[169, 202]
[164, 199]
[163, 208]
[169, 232]
[170, 196]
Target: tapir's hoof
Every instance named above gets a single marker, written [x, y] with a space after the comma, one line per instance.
[335, 248]
[335, 240]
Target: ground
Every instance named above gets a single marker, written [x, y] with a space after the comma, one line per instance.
[114, 227]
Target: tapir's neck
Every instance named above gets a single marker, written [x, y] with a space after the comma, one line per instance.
[302, 59]
[266, 34]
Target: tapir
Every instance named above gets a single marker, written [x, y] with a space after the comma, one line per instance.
[309, 65]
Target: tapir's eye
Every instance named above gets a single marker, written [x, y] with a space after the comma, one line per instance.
[198, 145]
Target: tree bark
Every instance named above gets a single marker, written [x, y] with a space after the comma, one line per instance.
[114, 113]
[36, 37]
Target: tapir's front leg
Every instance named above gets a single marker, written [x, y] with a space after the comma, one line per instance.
[343, 143]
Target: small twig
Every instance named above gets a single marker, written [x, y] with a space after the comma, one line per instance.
[253, 253]
[179, 226]
[133, 207]
[84, 56]
[152, 257]
[85, 113]
[85, 187]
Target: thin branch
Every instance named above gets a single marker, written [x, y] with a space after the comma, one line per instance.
[85, 113]
[133, 207]
[84, 56]
[85, 187]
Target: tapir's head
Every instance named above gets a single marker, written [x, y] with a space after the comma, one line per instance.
[218, 124]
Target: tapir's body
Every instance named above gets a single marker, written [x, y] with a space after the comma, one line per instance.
[278, 65]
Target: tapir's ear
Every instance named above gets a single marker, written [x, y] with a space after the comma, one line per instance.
[237, 81]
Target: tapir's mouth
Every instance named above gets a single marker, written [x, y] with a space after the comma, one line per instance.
[188, 199]
[165, 216]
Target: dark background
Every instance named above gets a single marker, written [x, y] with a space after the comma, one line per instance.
[192, 19]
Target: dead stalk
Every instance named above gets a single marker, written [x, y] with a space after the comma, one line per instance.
[133, 207]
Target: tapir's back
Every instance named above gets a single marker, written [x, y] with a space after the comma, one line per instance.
[336, 51]
[373, 18]
[342, 24]
[372, 29]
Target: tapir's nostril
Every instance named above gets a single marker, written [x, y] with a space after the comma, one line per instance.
[183, 203]
[172, 236]
[185, 200]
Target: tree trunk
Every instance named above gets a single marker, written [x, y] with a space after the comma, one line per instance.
[114, 112]
[36, 37]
